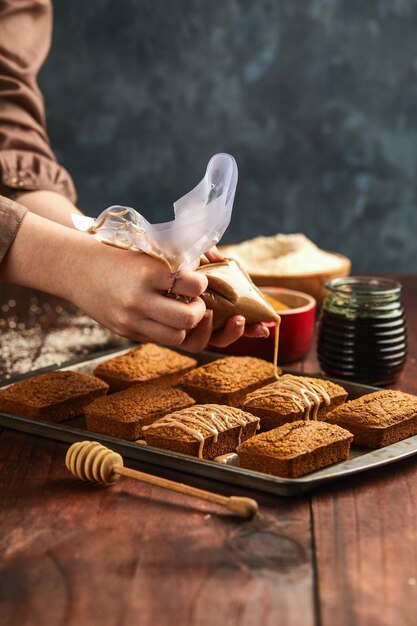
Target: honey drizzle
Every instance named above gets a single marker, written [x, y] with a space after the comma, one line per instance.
[305, 394]
[276, 343]
[205, 417]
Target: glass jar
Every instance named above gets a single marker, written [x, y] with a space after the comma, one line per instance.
[362, 330]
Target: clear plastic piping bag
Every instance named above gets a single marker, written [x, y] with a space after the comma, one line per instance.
[201, 217]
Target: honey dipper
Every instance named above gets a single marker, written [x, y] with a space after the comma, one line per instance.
[93, 462]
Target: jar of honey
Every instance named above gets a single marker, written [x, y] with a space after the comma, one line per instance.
[362, 330]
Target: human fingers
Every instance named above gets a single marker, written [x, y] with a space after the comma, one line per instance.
[156, 276]
[183, 283]
[198, 338]
[190, 284]
[232, 331]
[154, 331]
[174, 313]
[214, 255]
[256, 330]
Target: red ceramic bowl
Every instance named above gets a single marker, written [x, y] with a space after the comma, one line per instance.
[296, 329]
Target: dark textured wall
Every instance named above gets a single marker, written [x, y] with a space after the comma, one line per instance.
[316, 99]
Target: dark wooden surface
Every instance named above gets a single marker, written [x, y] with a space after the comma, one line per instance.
[75, 554]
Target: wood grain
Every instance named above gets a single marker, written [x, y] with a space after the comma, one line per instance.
[366, 549]
[134, 554]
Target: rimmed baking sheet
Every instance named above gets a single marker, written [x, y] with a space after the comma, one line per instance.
[360, 459]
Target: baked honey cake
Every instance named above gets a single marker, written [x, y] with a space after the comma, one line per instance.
[53, 396]
[227, 381]
[378, 419]
[205, 431]
[295, 449]
[291, 398]
[146, 363]
[124, 413]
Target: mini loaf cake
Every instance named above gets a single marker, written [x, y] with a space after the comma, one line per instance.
[52, 397]
[378, 419]
[295, 449]
[227, 381]
[292, 398]
[123, 414]
[205, 431]
[146, 363]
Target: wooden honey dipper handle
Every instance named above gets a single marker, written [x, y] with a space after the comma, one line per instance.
[89, 460]
[243, 507]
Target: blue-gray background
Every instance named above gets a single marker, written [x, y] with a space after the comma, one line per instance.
[316, 99]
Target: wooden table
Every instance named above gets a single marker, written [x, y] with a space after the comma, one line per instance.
[74, 554]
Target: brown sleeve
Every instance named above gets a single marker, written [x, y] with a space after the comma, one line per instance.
[27, 162]
[11, 216]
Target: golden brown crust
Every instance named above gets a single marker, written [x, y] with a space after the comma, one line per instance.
[53, 396]
[227, 381]
[378, 419]
[226, 442]
[146, 363]
[220, 429]
[275, 410]
[295, 449]
[123, 414]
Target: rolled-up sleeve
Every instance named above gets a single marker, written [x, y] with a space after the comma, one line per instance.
[27, 162]
[11, 216]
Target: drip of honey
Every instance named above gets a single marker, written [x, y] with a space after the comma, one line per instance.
[306, 395]
[276, 343]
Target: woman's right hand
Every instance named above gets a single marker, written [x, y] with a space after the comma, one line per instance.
[125, 291]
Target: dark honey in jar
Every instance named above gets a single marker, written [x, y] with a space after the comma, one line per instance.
[362, 330]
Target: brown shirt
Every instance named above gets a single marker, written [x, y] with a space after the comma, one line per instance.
[27, 162]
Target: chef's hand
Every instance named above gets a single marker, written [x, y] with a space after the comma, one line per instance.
[123, 290]
[202, 336]
[126, 292]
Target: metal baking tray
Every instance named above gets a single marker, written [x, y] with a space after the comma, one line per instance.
[360, 459]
